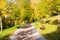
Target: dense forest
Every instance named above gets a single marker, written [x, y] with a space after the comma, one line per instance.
[20, 12]
[14, 12]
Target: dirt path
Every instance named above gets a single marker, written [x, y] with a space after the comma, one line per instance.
[28, 32]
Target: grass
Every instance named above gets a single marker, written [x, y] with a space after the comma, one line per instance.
[52, 19]
[6, 33]
[50, 31]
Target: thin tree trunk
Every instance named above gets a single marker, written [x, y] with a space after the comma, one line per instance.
[1, 24]
[58, 30]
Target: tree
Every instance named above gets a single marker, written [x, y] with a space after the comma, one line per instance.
[2, 11]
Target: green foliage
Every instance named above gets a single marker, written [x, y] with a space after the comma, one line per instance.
[55, 9]
[22, 11]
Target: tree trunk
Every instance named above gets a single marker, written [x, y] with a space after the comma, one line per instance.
[1, 23]
[58, 30]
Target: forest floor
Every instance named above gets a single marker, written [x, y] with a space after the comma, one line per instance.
[50, 31]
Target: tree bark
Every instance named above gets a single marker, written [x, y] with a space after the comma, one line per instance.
[1, 24]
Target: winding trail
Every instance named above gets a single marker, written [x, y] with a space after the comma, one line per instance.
[28, 32]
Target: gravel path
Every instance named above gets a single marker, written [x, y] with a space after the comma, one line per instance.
[28, 32]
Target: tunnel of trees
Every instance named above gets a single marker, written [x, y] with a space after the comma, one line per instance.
[15, 12]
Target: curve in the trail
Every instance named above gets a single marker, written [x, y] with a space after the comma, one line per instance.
[28, 32]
